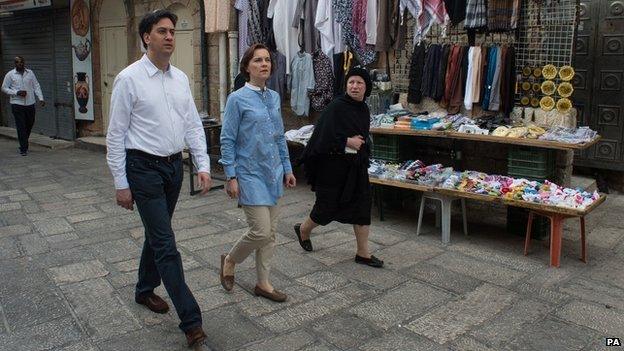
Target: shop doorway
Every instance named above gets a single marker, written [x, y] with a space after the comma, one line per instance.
[599, 81]
[183, 56]
[113, 50]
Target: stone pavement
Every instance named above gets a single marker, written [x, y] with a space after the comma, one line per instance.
[68, 260]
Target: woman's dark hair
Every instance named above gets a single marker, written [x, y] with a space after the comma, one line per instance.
[248, 55]
[151, 18]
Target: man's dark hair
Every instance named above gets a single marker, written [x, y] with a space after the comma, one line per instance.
[248, 55]
[150, 19]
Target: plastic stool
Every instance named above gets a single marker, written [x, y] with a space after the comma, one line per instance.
[445, 204]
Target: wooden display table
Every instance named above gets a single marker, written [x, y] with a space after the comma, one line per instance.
[557, 214]
[485, 138]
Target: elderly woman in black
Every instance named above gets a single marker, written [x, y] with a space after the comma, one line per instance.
[336, 163]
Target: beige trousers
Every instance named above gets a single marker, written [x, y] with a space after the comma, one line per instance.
[262, 221]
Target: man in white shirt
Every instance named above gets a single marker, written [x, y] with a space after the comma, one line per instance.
[152, 117]
[22, 87]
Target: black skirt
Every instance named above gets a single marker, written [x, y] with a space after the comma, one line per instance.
[343, 192]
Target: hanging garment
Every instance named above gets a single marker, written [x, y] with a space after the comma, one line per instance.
[499, 15]
[282, 13]
[456, 10]
[277, 81]
[415, 8]
[476, 14]
[329, 29]
[302, 82]
[385, 25]
[414, 91]
[371, 22]
[489, 82]
[305, 14]
[515, 15]
[433, 12]
[255, 32]
[496, 83]
[485, 54]
[441, 73]
[508, 83]
[432, 62]
[243, 16]
[453, 97]
[472, 81]
[344, 15]
[359, 19]
[323, 92]
[343, 62]
[217, 14]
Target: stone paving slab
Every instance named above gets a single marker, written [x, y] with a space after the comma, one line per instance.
[99, 309]
[448, 321]
[70, 257]
[604, 319]
[399, 305]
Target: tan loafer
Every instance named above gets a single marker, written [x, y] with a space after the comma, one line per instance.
[274, 295]
[152, 301]
[227, 281]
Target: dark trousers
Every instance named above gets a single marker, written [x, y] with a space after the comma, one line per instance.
[24, 121]
[155, 186]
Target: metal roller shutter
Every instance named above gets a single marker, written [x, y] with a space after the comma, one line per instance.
[42, 37]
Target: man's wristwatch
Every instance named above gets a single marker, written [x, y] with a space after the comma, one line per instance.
[231, 178]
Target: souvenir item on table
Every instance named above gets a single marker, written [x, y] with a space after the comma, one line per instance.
[534, 132]
[424, 122]
[517, 132]
[501, 131]
[526, 71]
[535, 102]
[566, 73]
[472, 129]
[518, 189]
[564, 105]
[547, 103]
[537, 72]
[565, 89]
[536, 87]
[569, 135]
[548, 87]
[525, 100]
[549, 71]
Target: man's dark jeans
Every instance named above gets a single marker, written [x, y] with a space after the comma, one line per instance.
[24, 121]
[155, 185]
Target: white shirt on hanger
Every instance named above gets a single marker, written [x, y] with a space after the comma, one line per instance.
[371, 22]
[286, 37]
[154, 112]
[331, 31]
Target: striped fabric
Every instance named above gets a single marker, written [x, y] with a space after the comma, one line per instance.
[476, 14]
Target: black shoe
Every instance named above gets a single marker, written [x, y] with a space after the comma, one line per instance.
[372, 261]
[306, 244]
[24, 153]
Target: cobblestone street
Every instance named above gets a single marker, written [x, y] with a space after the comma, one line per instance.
[69, 259]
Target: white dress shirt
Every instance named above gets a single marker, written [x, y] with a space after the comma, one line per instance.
[15, 81]
[152, 111]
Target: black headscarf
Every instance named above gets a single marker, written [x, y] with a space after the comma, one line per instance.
[361, 72]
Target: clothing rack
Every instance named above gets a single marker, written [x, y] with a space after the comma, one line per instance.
[545, 34]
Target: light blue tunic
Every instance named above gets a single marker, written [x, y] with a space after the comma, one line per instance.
[253, 146]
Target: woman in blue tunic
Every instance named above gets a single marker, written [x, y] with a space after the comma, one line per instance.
[255, 160]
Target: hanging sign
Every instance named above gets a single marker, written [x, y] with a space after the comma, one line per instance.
[15, 5]
[81, 59]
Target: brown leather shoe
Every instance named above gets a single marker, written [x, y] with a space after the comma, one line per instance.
[152, 301]
[275, 295]
[227, 281]
[195, 336]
